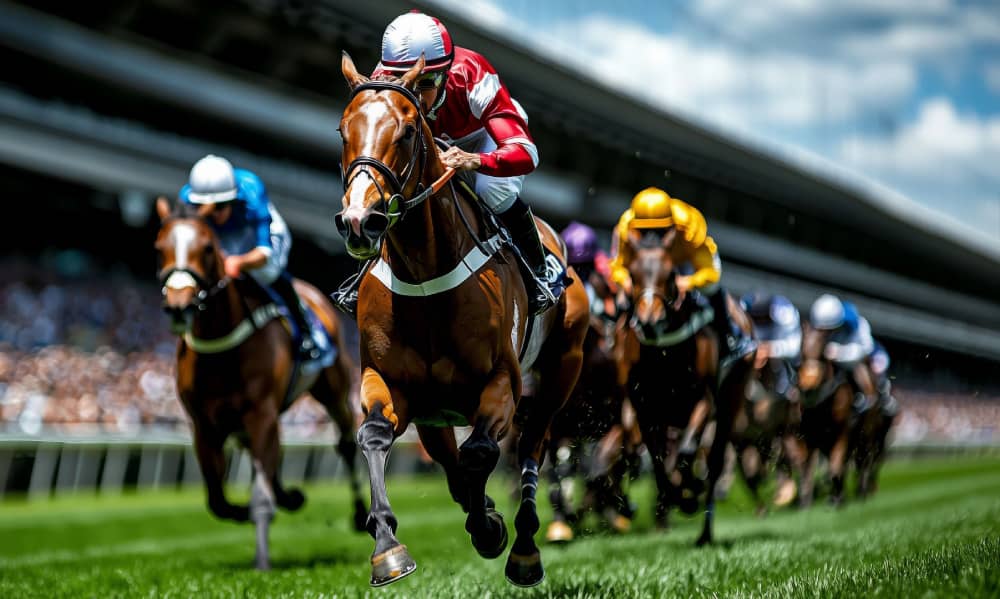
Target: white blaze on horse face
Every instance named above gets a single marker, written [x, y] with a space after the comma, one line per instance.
[184, 235]
[374, 112]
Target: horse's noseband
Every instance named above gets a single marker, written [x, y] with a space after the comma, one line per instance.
[205, 290]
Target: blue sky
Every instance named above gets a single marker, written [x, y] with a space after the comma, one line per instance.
[905, 93]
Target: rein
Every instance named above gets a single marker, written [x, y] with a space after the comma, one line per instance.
[663, 337]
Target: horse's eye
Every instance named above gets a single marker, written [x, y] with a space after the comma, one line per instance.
[408, 132]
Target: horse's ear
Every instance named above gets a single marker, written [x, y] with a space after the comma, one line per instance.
[669, 237]
[205, 210]
[409, 77]
[162, 208]
[354, 78]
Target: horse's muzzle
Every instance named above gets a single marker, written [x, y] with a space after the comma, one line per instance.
[363, 232]
[181, 318]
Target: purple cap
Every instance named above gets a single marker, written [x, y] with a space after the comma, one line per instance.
[581, 243]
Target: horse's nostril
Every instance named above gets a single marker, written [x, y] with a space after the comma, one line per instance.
[374, 225]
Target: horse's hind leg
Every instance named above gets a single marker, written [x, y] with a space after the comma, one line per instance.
[560, 371]
[332, 389]
[208, 445]
[478, 456]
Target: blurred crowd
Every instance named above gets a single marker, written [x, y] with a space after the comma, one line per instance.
[79, 355]
[934, 417]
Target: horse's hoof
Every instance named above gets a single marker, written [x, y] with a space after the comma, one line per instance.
[621, 524]
[703, 541]
[391, 565]
[501, 544]
[559, 532]
[524, 570]
[688, 502]
[293, 500]
[360, 516]
[785, 494]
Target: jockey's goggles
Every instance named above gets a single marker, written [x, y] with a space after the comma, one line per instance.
[429, 81]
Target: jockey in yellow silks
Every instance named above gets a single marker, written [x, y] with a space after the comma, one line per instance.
[653, 209]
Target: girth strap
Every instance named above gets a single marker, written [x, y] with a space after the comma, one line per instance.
[257, 319]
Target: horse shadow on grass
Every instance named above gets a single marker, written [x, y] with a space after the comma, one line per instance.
[325, 558]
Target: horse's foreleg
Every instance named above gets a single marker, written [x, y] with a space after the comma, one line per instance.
[478, 456]
[208, 446]
[261, 425]
[729, 403]
[390, 559]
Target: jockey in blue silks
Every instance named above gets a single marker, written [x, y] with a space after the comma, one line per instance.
[252, 235]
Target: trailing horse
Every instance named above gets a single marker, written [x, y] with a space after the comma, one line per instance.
[765, 434]
[445, 327]
[827, 395]
[597, 417]
[236, 370]
[676, 381]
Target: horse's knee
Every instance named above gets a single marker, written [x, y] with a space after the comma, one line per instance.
[479, 453]
[375, 433]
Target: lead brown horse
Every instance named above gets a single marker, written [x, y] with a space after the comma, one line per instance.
[676, 381]
[234, 368]
[445, 327]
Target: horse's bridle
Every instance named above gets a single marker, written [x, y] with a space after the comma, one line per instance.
[206, 291]
[395, 208]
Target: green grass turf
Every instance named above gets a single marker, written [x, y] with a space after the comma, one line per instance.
[932, 531]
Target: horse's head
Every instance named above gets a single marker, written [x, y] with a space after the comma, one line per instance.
[814, 368]
[189, 260]
[386, 148]
[655, 298]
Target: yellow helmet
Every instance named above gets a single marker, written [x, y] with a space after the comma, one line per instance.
[651, 209]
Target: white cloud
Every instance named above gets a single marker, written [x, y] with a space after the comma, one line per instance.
[940, 143]
[724, 85]
[943, 158]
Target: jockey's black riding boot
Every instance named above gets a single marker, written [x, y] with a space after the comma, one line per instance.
[346, 296]
[283, 286]
[722, 324]
[547, 284]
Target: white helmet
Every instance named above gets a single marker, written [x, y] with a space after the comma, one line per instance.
[413, 34]
[827, 312]
[212, 181]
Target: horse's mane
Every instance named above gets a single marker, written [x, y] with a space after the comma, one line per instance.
[184, 210]
[387, 78]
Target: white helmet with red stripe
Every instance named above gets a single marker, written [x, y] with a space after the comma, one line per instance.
[413, 34]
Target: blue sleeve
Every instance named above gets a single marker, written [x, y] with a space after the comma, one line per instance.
[851, 316]
[254, 196]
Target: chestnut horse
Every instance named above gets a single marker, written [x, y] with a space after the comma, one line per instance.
[445, 327]
[675, 378]
[234, 368]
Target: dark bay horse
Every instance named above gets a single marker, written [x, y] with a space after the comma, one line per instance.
[827, 396]
[234, 369]
[675, 381]
[445, 326]
[765, 434]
